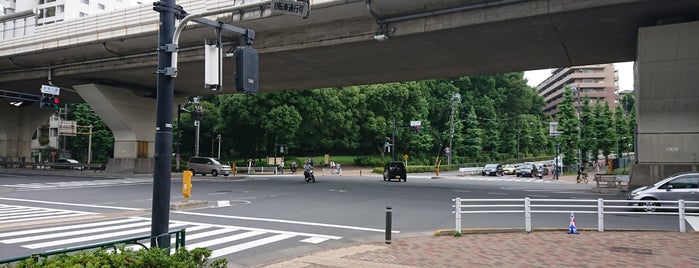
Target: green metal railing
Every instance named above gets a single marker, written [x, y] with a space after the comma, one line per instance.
[179, 242]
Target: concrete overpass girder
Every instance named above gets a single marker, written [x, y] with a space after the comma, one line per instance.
[16, 129]
[132, 120]
[667, 91]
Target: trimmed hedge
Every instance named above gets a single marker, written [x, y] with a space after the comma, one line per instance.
[127, 258]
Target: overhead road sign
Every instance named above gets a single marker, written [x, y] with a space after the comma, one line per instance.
[50, 90]
[290, 7]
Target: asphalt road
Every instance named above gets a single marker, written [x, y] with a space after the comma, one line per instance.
[257, 219]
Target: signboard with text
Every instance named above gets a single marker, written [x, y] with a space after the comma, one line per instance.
[290, 7]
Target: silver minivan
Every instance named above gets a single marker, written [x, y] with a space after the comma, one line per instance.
[683, 186]
[207, 165]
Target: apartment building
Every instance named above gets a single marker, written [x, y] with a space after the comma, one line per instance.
[597, 82]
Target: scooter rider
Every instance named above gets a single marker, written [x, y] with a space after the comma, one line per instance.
[306, 170]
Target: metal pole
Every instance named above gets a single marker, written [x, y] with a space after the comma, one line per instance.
[219, 146]
[160, 216]
[393, 141]
[179, 138]
[600, 215]
[196, 138]
[89, 146]
[275, 159]
[388, 225]
[527, 215]
[457, 211]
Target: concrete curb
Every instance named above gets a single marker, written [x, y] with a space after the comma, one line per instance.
[191, 204]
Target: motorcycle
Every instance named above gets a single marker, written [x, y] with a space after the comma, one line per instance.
[308, 176]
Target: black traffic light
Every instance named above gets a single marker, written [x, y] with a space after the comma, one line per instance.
[49, 102]
[246, 69]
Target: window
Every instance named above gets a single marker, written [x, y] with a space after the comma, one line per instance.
[87, 2]
[59, 9]
[82, 14]
[100, 6]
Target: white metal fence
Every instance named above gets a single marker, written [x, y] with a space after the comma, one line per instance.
[528, 206]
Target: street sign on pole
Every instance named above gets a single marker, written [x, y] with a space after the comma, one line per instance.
[290, 7]
[50, 90]
[415, 123]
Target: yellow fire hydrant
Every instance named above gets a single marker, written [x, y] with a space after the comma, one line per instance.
[186, 184]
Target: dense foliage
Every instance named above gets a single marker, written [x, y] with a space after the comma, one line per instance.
[483, 123]
[482, 118]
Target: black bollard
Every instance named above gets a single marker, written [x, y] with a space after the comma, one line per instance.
[388, 225]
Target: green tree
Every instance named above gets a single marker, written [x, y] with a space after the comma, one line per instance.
[588, 140]
[472, 145]
[102, 137]
[606, 138]
[568, 125]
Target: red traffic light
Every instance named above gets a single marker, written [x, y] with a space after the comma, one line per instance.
[56, 101]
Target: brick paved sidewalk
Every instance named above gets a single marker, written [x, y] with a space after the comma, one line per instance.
[519, 249]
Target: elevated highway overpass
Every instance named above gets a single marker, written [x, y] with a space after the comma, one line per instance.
[108, 60]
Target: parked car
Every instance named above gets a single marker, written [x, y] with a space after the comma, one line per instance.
[683, 186]
[69, 163]
[394, 170]
[528, 170]
[509, 169]
[492, 170]
[208, 165]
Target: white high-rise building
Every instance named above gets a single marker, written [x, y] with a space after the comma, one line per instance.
[51, 11]
[20, 17]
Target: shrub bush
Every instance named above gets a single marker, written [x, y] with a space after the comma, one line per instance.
[126, 257]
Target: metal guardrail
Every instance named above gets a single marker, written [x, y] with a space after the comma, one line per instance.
[601, 207]
[48, 165]
[179, 242]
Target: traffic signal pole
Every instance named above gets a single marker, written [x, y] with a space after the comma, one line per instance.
[160, 215]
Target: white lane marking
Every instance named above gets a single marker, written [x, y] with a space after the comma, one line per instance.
[314, 240]
[224, 203]
[224, 239]
[67, 204]
[285, 221]
[213, 215]
[61, 228]
[71, 233]
[247, 245]
[258, 229]
[537, 195]
[693, 221]
[497, 193]
[36, 214]
[89, 238]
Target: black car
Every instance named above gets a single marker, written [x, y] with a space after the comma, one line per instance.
[528, 170]
[493, 170]
[394, 170]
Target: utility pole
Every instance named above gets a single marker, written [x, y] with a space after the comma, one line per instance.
[454, 98]
[393, 141]
[160, 216]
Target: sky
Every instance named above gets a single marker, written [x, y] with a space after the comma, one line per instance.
[625, 70]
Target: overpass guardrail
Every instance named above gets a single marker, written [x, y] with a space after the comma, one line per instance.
[179, 242]
[528, 207]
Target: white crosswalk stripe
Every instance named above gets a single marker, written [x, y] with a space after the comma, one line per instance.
[10, 213]
[78, 184]
[221, 239]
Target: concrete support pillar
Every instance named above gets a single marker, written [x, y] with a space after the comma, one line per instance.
[667, 94]
[132, 120]
[17, 126]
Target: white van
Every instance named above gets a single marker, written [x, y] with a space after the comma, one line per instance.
[208, 165]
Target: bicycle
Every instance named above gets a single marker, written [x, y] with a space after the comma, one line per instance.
[582, 178]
